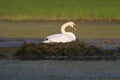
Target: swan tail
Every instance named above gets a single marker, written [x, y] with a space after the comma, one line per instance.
[46, 41]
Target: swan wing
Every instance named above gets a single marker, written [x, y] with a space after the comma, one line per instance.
[59, 38]
[54, 36]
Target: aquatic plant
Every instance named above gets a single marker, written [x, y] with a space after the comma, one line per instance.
[28, 51]
[2, 55]
[42, 50]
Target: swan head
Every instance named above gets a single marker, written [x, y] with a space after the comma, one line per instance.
[74, 26]
[71, 24]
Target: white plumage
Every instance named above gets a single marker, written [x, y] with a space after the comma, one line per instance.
[64, 36]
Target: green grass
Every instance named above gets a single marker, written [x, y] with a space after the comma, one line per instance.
[86, 30]
[59, 9]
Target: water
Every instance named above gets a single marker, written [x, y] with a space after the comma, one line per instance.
[17, 42]
[59, 70]
[98, 33]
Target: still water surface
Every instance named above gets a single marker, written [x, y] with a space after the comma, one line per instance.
[59, 70]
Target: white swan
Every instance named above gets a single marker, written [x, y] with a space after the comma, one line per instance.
[64, 36]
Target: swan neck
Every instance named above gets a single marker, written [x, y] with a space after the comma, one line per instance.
[63, 28]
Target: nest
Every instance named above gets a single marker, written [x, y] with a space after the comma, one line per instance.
[75, 48]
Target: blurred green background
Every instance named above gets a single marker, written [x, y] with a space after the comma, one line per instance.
[60, 9]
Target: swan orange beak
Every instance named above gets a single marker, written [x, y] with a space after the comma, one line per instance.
[75, 28]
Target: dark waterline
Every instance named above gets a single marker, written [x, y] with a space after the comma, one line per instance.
[17, 42]
[108, 44]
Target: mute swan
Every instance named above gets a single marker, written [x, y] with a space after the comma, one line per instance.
[64, 36]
